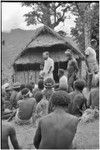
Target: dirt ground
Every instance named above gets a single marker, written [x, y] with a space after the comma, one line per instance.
[87, 136]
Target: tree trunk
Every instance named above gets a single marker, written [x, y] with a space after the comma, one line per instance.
[87, 26]
[87, 34]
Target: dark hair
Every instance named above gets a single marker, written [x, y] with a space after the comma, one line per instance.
[25, 91]
[49, 83]
[46, 52]
[79, 84]
[29, 86]
[93, 41]
[38, 96]
[22, 86]
[61, 71]
[41, 84]
[33, 84]
[60, 98]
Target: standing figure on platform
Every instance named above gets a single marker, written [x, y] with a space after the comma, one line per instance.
[48, 66]
[72, 69]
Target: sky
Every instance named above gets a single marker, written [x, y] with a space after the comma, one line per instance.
[12, 18]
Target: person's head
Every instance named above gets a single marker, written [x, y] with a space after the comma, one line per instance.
[29, 86]
[16, 86]
[22, 87]
[49, 83]
[38, 96]
[68, 54]
[32, 84]
[40, 85]
[79, 85]
[60, 99]
[45, 55]
[60, 72]
[25, 92]
[93, 43]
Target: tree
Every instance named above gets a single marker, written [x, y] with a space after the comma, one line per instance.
[47, 13]
[85, 25]
[95, 27]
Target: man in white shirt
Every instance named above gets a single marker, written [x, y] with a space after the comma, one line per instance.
[91, 57]
[48, 66]
[63, 82]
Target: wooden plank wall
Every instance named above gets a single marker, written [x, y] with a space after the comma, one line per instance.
[27, 76]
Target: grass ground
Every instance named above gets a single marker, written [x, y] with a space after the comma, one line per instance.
[87, 136]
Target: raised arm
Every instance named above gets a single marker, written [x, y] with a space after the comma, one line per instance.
[13, 138]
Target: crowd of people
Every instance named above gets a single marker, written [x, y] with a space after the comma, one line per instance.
[55, 108]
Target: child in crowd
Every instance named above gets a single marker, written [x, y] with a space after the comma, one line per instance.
[63, 82]
[42, 107]
[57, 129]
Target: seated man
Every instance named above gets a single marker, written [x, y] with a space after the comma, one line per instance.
[78, 101]
[56, 130]
[26, 107]
[8, 131]
[94, 96]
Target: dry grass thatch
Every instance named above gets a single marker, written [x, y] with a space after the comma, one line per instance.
[32, 58]
[44, 38]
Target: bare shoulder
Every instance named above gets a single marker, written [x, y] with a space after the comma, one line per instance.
[47, 117]
[7, 126]
[32, 98]
[73, 119]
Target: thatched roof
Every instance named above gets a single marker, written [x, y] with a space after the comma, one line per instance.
[44, 38]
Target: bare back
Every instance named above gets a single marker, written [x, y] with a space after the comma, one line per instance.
[8, 131]
[58, 130]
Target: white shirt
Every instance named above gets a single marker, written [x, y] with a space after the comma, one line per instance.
[63, 82]
[47, 64]
[91, 55]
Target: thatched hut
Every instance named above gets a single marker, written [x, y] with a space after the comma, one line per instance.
[27, 63]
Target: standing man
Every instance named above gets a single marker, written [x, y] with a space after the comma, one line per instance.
[72, 69]
[48, 66]
[91, 57]
[91, 61]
